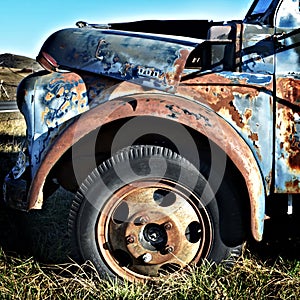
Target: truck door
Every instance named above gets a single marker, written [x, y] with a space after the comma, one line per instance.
[287, 127]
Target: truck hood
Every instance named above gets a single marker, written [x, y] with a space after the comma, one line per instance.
[152, 60]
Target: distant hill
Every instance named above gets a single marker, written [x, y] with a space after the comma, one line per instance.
[8, 60]
[13, 68]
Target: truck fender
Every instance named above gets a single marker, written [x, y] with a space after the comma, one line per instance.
[166, 106]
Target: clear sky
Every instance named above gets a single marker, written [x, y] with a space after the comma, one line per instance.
[25, 24]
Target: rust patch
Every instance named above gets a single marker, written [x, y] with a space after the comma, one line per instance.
[253, 137]
[248, 114]
[219, 92]
[294, 161]
[179, 64]
[293, 186]
[290, 143]
[289, 89]
[288, 150]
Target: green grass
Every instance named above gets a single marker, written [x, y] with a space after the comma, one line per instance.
[35, 263]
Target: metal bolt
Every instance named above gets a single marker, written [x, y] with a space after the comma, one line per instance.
[130, 239]
[147, 257]
[168, 226]
[144, 220]
[169, 249]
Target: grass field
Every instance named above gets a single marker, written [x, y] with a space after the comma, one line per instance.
[34, 261]
[10, 78]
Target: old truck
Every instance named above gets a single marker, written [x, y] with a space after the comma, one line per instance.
[176, 137]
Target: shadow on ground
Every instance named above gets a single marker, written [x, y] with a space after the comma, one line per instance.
[43, 233]
[39, 233]
[281, 239]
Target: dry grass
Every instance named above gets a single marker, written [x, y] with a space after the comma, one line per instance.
[11, 78]
[12, 131]
[12, 124]
[250, 279]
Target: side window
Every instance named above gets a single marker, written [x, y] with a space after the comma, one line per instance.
[288, 14]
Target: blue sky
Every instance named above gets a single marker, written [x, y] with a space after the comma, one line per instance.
[25, 24]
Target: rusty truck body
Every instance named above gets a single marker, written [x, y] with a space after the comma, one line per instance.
[174, 136]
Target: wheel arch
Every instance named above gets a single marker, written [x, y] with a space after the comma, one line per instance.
[169, 107]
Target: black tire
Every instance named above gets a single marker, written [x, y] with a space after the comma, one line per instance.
[147, 211]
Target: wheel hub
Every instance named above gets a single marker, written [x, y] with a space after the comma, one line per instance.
[150, 227]
[152, 237]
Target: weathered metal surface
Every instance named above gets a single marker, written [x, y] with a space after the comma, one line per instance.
[287, 172]
[150, 60]
[175, 108]
[288, 91]
[58, 97]
[245, 101]
[287, 131]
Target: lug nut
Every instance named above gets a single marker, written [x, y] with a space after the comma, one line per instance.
[168, 226]
[169, 249]
[130, 239]
[144, 220]
[147, 257]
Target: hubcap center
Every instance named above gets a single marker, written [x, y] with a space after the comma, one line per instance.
[155, 235]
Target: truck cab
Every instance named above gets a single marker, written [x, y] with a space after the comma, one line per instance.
[174, 136]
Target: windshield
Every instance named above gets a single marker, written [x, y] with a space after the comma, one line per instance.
[262, 12]
[261, 7]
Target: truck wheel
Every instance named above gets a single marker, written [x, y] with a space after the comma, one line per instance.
[144, 212]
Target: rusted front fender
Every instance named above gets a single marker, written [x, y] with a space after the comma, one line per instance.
[186, 112]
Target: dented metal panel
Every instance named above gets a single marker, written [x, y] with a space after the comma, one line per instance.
[150, 60]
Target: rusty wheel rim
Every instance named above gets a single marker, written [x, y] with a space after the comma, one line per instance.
[151, 228]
